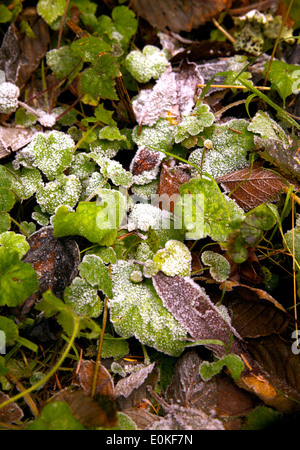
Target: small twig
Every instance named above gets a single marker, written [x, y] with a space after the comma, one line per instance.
[62, 24]
[98, 358]
[232, 86]
[217, 25]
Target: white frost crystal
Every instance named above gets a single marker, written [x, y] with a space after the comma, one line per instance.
[9, 94]
[144, 216]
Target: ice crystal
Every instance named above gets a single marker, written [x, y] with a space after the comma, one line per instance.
[9, 94]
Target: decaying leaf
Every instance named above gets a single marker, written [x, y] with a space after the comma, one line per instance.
[84, 377]
[10, 413]
[131, 390]
[250, 188]
[12, 139]
[145, 165]
[88, 410]
[179, 15]
[171, 178]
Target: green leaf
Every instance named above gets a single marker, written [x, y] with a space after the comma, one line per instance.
[120, 27]
[150, 63]
[230, 144]
[113, 169]
[18, 280]
[158, 137]
[52, 152]
[90, 48]
[50, 10]
[96, 273]
[284, 78]
[136, 310]
[65, 190]
[5, 14]
[5, 222]
[111, 133]
[113, 347]
[83, 298]
[204, 210]
[7, 199]
[16, 242]
[219, 266]
[93, 221]
[95, 86]
[62, 62]
[231, 361]
[56, 416]
[10, 330]
[104, 116]
[174, 259]
[192, 125]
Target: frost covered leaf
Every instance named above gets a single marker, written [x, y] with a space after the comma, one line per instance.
[106, 254]
[136, 310]
[16, 242]
[83, 298]
[174, 259]
[90, 220]
[219, 266]
[206, 211]
[145, 216]
[18, 280]
[82, 167]
[10, 413]
[145, 165]
[111, 133]
[150, 63]
[65, 190]
[235, 65]
[31, 180]
[52, 152]
[50, 11]
[158, 137]
[96, 273]
[193, 124]
[9, 94]
[253, 187]
[62, 62]
[7, 199]
[114, 347]
[4, 222]
[274, 145]
[230, 144]
[284, 78]
[113, 170]
[89, 48]
[94, 86]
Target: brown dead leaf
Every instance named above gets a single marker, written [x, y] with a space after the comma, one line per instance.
[12, 139]
[87, 410]
[20, 55]
[10, 413]
[282, 367]
[179, 15]
[146, 160]
[253, 187]
[85, 375]
[171, 178]
[131, 390]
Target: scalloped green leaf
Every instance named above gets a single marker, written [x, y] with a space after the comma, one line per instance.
[136, 310]
[205, 211]
[160, 136]
[150, 63]
[18, 280]
[14, 241]
[52, 152]
[174, 259]
[65, 190]
[113, 169]
[284, 78]
[233, 362]
[62, 62]
[83, 298]
[51, 10]
[194, 124]
[219, 266]
[96, 273]
[120, 28]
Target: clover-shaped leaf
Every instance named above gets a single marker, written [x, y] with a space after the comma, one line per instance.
[136, 310]
[194, 124]
[18, 280]
[150, 63]
[65, 190]
[174, 259]
[96, 273]
[9, 94]
[14, 241]
[219, 266]
[83, 298]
